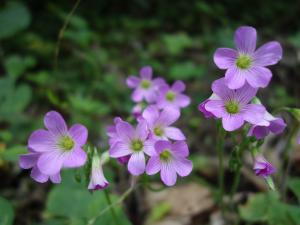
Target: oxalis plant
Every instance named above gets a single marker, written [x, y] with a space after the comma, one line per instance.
[149, 143]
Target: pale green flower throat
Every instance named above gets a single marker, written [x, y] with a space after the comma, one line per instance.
[137, 145]
[243, 61]
[232, 107]
[170, 96]
[165, 155]
[145, 84]
[66, 143]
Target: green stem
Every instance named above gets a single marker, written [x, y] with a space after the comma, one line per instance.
[220, 151]
[112, 209]
[287, 160]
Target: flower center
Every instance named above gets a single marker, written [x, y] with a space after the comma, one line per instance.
[66, 143]
[170, 96]
[165, 155]
[158, 131]
[243, 61]
[145, 84]
[232, 107]
[137, 145]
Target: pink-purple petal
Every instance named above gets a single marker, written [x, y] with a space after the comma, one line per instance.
[224, 58]
[277, 126]
[137, 164]
[245, 39]
[55, 123]
[79, 133]
[56, 178]
[182, 166]
[38, 176]
[254, 113]
[153, 165]
[133, 81]
[41, 141]
[161, 145]
[29, 160]
[141, 131]
[75, 158]
[50, 163]
[125, 131]
[268, 54]
[216, 107]
[180, 149]
[168, 116]
[259, 77]
[151, 114]
[232, 122]
[182, 100]
[245, 94]
[146, 72]
[119, 149]
[174, 133]
[137, 95]
[178, 86]
[168, 174]
[235, 78]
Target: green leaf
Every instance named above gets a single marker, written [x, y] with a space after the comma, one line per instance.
[14, 17]
[256, 208]
[6, 212]
[294, 185]
[16, 65]
[12, 154]
[159, 212]
[187, 70]
[176, 43]
[61, 201]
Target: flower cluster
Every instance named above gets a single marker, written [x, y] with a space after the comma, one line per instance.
[233, 99]
[55, 148]
[153, 144]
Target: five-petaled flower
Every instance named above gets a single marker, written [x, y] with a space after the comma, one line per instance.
[145, 87]
[246, 63]
[172, 97]
[159, 123]
[132, 142]
[170, 159]
[55, 148]
[233, 106]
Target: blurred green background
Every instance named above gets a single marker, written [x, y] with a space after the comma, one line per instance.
[106, 41]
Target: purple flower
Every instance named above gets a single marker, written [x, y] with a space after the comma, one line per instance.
[145, 87]
[172, 97]
[57, 147]
[246, 63]
[170, 160]
[97, 179]
[262, 167]
[233, 106]
[159, 123]
[134, 143]
[276, 126]
[29, 161]
[137, 110]
[201, 107]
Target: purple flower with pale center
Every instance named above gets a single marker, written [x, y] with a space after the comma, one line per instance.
[172, 97]
[159, 123]
[201, 107]
[234, 107]
[145, 87]
[29, 161]
[262, 167]
[246, 63]
[132, 142]
[276, 126]
[170, 160]
[97, 179]
[57, 147]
